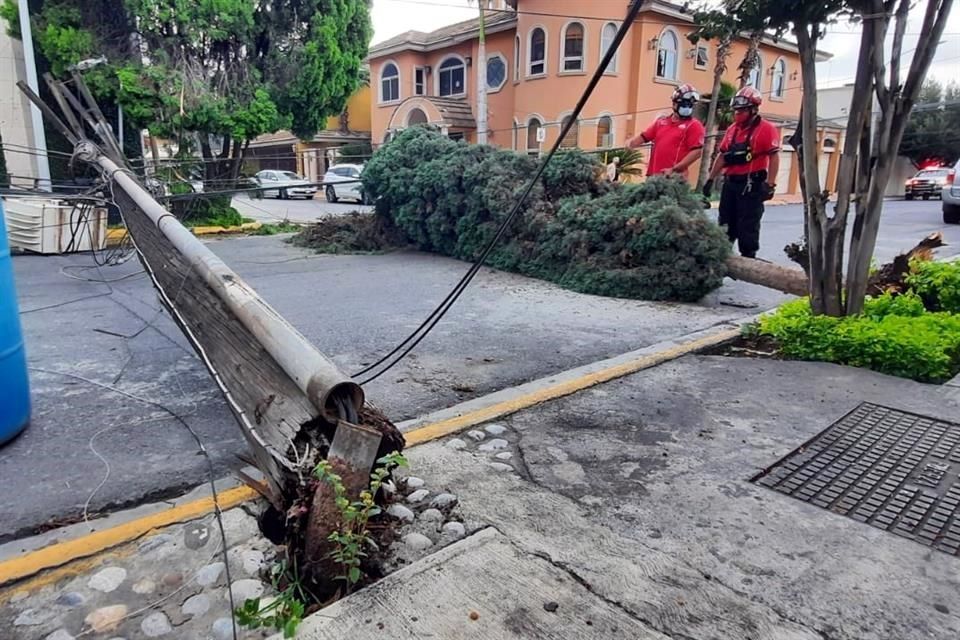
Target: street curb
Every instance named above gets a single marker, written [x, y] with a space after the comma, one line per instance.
[502, 403]
[116, 236]
[418, 431]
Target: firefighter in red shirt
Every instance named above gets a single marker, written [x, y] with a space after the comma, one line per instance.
[750, 160]
[677, 139]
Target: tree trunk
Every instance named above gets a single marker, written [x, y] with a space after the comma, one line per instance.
[706, 158]
[768, 274]
[751, 58]
[825, 244]
[895, 106]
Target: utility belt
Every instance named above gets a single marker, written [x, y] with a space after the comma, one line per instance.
[743, 178]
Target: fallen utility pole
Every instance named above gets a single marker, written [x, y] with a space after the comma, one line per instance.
[292, 402]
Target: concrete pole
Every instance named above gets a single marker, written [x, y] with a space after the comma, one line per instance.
[39, 137]
[482, 79]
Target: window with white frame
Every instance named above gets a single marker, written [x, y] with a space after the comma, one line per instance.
[607, 36]
[703, 56]
[605, 132]
[573, 136]
[756, 74]
[451, 78]
[537, 51]
[419, 81]
[533, 136]
[496, 72]
[516, 59]
[389, 83]
[573, 37]
[667, 48]
[779, 78]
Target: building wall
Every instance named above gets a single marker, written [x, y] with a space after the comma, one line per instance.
[15, 121]
[358, 106]
[631, 93]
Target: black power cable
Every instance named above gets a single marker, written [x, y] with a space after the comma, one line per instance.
[424, 329]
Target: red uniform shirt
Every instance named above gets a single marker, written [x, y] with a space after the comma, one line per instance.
[764, 142]
[672, 138]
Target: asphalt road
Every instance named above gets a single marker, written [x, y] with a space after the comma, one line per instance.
[274, 210]
[95, 448]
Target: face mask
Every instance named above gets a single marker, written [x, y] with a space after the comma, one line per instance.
[742, 116]
[685, 112]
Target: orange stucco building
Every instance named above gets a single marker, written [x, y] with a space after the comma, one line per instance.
[541, 54]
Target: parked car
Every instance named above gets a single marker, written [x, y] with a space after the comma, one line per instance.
[288, 185]
[927, 183]
[950, 195]
[343, 182]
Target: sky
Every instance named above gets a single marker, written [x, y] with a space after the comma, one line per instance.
[393, 17]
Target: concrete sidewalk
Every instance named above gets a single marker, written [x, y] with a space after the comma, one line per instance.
[638, 491]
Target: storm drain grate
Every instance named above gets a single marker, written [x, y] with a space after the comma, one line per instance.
[896, 471]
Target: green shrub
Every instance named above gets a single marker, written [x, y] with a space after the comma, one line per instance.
[937, 283]
[649, 241]
[894, 335]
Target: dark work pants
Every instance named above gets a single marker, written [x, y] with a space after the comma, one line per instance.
[741, 210]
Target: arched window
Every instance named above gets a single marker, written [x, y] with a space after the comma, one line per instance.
[607, 36]
[534, 125]
[573, 136]
[779, 78]
[667, 47]
[830, 143]
[605, 132]
[573, 47]
[451, 78]
[516, 59]
[417, 116]
[756, 74]
[537, 52]
[389, 83]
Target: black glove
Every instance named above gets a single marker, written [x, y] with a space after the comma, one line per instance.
[708, 188]
[768, 190]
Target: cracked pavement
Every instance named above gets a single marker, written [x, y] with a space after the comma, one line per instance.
[639, 490]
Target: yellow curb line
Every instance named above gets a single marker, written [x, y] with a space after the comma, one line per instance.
[90, 544]
[115, 236]
[61, 553]
[450, 426]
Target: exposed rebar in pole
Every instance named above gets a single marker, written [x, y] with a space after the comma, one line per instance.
[39, 136]
[482, 78]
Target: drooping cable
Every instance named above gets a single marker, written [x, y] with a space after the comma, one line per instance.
[410, 343]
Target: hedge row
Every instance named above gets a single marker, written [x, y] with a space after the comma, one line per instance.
[650, 241]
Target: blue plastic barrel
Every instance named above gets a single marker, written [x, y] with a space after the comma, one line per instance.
[14, 387]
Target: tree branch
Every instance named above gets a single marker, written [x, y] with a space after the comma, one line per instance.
[860, 110]
[878, 22]
[934, 23]
[899, 29]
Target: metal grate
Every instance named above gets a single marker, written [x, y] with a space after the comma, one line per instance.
[896, 471]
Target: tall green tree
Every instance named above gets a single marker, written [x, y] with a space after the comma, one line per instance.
[933, 131]
[214, 74]
[867, 156]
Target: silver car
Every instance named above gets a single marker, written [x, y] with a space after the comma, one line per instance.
[951, 197]
[343, 183]
[288, 185]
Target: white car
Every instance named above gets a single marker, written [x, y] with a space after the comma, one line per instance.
[343, 183]
[288, 185]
